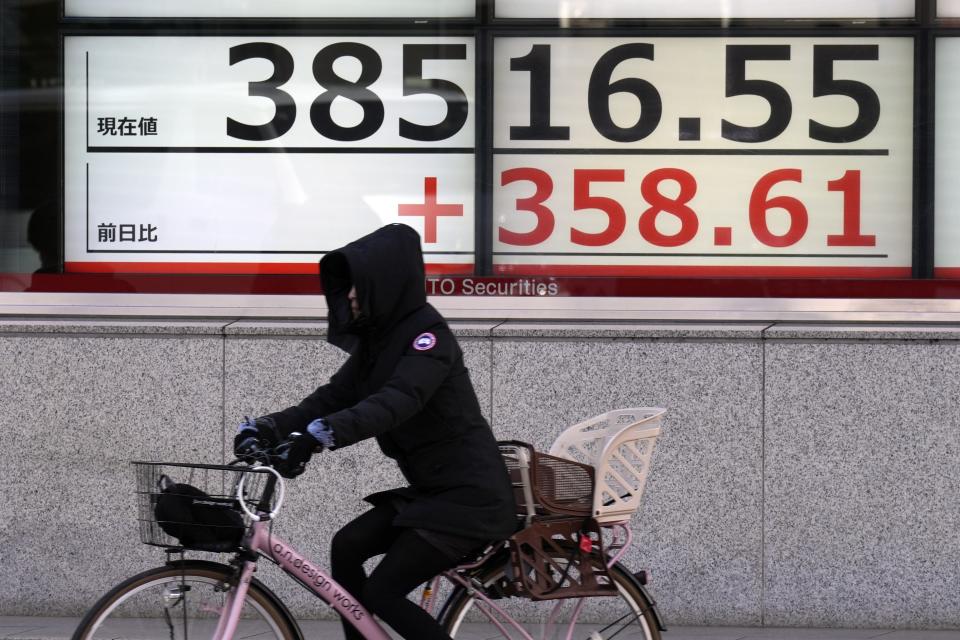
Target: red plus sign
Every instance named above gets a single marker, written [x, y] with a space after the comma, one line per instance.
[430, 209]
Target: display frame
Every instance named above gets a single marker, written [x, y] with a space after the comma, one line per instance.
[923, 28]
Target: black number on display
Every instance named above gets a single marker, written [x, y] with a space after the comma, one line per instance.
[357, 91]
[537, 62]
[286, 110]
[600, 90]
[781, 108]
[414, 83]
[824, 84]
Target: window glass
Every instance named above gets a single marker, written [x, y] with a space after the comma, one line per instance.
[947, 160]
[948, 8]
[30, 115]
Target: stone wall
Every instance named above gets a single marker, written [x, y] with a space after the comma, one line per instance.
[805, 475]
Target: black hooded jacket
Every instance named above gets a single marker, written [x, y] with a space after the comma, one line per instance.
[405, 385]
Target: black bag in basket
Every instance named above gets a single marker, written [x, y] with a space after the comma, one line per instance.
[197, 519]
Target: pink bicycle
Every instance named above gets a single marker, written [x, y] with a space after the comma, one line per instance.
[558, 576]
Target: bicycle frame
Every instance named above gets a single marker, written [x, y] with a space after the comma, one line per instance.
[260, 540]
[311, 576]
[307, 573]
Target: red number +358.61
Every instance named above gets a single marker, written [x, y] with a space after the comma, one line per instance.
[760, 204]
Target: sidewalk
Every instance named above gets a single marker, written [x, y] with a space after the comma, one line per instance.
[30, 628]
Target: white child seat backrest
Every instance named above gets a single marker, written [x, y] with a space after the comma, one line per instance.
[618, 444]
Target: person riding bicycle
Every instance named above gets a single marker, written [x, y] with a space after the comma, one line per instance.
[404, 384]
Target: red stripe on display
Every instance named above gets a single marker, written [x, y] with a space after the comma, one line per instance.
[291, 268]
[230, 268]
[699, 271]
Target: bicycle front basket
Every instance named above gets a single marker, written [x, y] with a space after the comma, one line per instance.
[194, 506]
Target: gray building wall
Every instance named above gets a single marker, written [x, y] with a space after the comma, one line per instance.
[805, 475]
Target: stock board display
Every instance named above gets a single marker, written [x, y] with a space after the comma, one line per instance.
[610, 155]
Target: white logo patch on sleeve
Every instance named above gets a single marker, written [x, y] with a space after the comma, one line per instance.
[424, 341]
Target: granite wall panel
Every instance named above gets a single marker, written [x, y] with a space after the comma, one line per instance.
[76, 409]
[861, 512]
[698, 530]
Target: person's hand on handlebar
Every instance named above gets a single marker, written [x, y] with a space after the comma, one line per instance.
[293, 454]
[253, 436]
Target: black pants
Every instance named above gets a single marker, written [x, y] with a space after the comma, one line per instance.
[409, 561]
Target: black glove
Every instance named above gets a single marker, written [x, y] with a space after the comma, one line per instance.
[254, 435]
[294, 453]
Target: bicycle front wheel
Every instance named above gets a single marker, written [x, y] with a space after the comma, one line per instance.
[182, 601]
[626, 615]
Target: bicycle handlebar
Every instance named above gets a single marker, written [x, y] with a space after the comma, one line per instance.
[275, 461]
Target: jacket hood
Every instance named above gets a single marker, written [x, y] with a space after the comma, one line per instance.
[386, 267]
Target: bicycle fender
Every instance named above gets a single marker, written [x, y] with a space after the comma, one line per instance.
[646, 595]
[274, 600]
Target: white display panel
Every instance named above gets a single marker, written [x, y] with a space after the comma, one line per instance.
[948, 8]
[269, 9]
[666, 156]
[574, 9]
[260, 154]
[946, 162]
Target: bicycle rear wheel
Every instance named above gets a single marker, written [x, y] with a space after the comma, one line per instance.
[627, 615]
[182, 601]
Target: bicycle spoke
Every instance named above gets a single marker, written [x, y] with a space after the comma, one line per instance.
[624, 616]
[183, 595]
[155, 604]
[635, 617]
